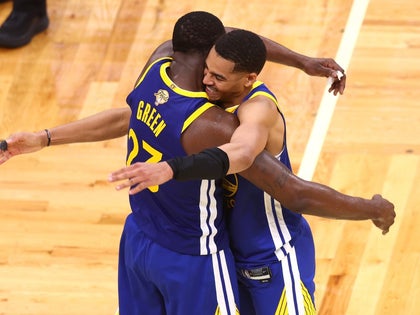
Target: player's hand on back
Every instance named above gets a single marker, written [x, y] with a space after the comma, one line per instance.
[140, 175]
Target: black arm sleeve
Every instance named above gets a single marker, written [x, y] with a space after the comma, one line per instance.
[208, 164]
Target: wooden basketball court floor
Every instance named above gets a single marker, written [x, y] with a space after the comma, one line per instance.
[60, 221]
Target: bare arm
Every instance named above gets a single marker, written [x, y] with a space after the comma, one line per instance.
[316, 199]
[108, 124]
[322, 67]
[257, 117]
[105, 125]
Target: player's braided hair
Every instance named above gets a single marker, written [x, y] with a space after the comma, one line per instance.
[196, 31]
[244, 48]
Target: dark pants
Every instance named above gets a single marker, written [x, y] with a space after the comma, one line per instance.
[34, 6]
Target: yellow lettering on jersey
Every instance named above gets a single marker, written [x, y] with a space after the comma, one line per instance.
[151, 117]
[146, 110]
[159, 128]
[140, 110]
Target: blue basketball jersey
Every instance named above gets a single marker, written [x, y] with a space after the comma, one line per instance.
[261, 229]
[187, 216]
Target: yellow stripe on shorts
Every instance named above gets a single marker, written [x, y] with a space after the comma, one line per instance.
[307, 300]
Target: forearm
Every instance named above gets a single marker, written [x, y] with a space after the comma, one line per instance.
[210, 163]
[306, 197]
[280, 54]
[105, 125]
[320, 200]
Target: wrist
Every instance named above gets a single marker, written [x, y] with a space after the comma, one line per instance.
[169, 171]
[44, 138]
[48, 134]
[302, 62]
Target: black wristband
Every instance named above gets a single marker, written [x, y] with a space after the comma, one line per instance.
[208, 164]
[3, 145]
[48, 137]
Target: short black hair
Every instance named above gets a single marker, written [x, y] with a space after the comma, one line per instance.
[246, 49]
[197, 31]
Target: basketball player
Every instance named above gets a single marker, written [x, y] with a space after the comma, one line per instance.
[272, 245]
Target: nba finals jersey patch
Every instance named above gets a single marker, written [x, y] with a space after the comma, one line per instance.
[162, 96]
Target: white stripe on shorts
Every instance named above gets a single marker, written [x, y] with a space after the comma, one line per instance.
[226, 307]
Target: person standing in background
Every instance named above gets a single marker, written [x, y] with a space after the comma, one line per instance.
[27, 19]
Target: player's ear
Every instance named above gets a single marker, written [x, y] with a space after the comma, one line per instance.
[251, 78]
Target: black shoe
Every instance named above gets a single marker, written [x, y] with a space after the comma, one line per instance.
[20, 27]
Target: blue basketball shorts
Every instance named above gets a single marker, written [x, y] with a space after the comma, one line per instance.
[153, 280]
[283, 287]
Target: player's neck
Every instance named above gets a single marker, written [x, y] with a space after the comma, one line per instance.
[186, 71]
[234, 99]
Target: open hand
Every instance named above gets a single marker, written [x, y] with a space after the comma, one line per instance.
[20, 143]
[141, 175]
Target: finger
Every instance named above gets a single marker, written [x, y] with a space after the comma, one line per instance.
[4, 156]
[125, 184]
[334, 87]
[337, 85]
[342, 84]
[115, 175]
[138, 188]
[120, 175]
[334, 65]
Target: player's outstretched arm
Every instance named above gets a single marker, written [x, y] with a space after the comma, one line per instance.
[321, 67]
[316, 199]
[277, 53]
[105, 125]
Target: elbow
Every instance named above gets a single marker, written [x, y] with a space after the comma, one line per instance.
[245, 160]
[240, 159]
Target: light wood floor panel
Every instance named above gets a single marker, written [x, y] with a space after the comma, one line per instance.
[60, 221]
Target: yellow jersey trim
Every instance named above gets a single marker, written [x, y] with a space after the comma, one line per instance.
[176, 88]
[148, 69]
[195, 114]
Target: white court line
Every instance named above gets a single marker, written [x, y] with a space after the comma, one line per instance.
[326, 108]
